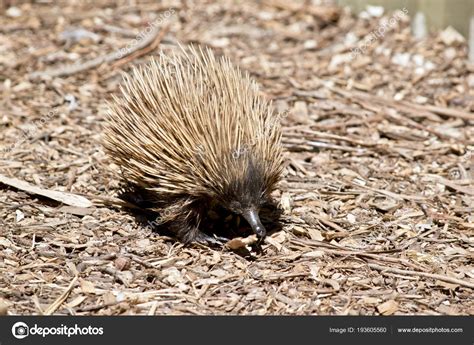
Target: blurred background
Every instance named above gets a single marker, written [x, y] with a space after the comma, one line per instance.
[428, 14]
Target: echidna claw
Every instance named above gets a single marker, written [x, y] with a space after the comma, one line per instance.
[209, 240]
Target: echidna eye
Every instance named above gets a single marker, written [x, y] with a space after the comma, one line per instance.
[235, 206]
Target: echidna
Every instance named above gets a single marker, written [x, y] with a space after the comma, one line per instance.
[191, 129]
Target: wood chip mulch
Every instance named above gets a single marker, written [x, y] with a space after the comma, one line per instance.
[377, 200]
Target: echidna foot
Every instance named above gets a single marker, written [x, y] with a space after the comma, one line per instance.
[210, 240]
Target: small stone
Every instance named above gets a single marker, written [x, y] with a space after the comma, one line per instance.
[220, 42]
[351, 218]
[375, 11]
[450, 36]
[470, 80]
[19, 216]
[13, 12]
[122, 263]
[310, 44]
[401, 59]
[173, 276]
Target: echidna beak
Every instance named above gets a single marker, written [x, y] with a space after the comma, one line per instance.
[251, 216]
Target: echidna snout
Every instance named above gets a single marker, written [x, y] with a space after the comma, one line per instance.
[251, 216]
